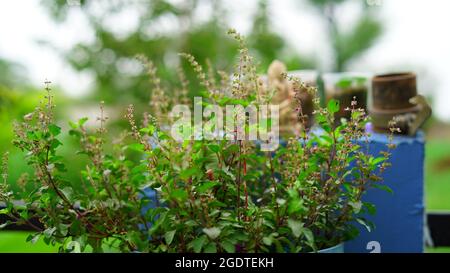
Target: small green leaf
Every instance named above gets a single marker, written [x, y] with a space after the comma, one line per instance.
[368, 225]
[33, 238]
[198, 243]
[63, 229]
[228, 246]
[74, 133]
[24, 214]
[55, 143]
[295, 206]
[5, 224]
[49, 232]
[54, 130]
[136, 147]
[205, 186]
[187, 173]
[333, 106]
[296, 227]
[73, 125]
[214, 148]
[150, 129]
[82, 121]
[168, 236]
[68, 192]
[308, 235]
[267, 240]
[371, 209]
[378, 160]
[356, 206]
[211, 248]
[383, 188]
[179, 194]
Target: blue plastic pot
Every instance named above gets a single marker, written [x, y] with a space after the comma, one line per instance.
[334, 249]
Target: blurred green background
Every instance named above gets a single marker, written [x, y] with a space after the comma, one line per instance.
[119, 79]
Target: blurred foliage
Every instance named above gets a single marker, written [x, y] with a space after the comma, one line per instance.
[10, 74]
[348, 42]
[14, 105]
[163, 30]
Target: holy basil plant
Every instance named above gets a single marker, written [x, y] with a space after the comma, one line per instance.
[212, 195]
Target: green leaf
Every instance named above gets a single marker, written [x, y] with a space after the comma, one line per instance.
[4, 211]
[228, 173]
[333, 106]
[168, 236]
[356, 206]
[74, 133]
[365, 223]
[211, 248]
[68, 192]
[205, 186]
[24, 214]
[383, 188]
[82, 121]
[150, 129]
[212, 233]
[214, 148]
[377, 160]
[179, 194]
[5, 224]
[198, 243]
[228, 246]
[187, 173]
[55, 143]
[136, 147]
[296, 227]
[371, 209]
[33, 238]
[308, 235]
[63, 229]
[54, 130]
[49, 232]
[295, 205]
[267, 240]
[73, 125]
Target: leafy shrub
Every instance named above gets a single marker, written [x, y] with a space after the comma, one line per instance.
[213, 195]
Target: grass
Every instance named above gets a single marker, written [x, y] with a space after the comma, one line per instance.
[437, 175]
[438, 250]
[15, 242]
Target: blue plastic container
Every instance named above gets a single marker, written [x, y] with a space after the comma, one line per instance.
[399, 220]
[335, 249]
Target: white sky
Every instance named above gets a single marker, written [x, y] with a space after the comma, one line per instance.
[416, 38]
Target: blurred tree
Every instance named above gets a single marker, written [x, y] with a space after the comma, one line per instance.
[350, 43]
[11, 74]
[162, 30]
[269, 45]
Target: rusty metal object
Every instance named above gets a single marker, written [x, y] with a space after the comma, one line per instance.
[395, 99]
[393, 91]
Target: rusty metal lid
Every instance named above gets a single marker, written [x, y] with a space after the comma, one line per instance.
[393, 91]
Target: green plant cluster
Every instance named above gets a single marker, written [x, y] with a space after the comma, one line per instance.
[212, 195]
